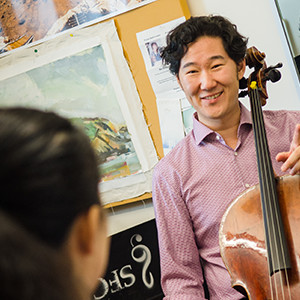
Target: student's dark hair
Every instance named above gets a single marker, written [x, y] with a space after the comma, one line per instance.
[189, 31]
[48, 172]
[31, 270]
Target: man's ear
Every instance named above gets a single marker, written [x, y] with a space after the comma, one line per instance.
[178, 80]
[86, 229]
[241, 67]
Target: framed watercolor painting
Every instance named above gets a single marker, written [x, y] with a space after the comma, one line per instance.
[84, 76]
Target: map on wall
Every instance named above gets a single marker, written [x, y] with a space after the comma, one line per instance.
[85, 78]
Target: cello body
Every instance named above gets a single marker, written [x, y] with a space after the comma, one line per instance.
[243, 245]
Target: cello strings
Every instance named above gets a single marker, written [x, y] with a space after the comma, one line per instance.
[262, 167]
[273, 195]
[275, 214]
[269, 189]
[254, 100]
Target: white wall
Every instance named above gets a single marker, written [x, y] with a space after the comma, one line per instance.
[258, 20]
[126, 216]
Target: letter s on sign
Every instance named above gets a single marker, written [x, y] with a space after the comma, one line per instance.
[125, 273]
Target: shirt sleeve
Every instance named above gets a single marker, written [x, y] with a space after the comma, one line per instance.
[181, 270]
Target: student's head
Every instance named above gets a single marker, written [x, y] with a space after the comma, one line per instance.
[180, 38]
[49, 185]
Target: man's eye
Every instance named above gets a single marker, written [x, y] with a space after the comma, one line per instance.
[216, 66]
[191, 71]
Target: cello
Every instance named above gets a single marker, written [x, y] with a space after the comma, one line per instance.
[259, 234]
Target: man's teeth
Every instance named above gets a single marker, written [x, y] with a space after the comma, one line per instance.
[213, 97]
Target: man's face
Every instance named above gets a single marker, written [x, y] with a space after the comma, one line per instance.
[210, 79]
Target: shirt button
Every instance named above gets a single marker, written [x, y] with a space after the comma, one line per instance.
[218, 137]
[235, 153]
[247, 185]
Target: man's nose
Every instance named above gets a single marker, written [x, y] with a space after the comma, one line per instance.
[207, 81]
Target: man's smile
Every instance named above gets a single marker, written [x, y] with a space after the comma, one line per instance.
[211, 97]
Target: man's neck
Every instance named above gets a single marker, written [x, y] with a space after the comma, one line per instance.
[227, 128]
[230, 136]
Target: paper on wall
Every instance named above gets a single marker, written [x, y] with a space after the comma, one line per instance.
[164, 84]
[173, 108]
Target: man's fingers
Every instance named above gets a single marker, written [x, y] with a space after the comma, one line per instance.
[296, 137]
[282, 156]
[292, 162]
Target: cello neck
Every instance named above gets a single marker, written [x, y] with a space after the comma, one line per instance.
[276, 243]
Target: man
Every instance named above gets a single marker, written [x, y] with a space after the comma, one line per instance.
[194, 184]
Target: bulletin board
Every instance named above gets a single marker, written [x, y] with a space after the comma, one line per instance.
[128, 25]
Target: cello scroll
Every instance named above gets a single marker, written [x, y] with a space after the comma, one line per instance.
[261, 74]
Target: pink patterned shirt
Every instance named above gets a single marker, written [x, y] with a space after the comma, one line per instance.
[192, 187]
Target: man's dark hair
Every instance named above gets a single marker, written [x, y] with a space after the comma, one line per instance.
[178, 39]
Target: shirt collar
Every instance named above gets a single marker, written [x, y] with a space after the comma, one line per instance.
[201, 131]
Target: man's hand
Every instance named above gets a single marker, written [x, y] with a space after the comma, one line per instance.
[291, 159]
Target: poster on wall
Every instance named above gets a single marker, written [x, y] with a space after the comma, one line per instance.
[150, 41]
[84, 76]
[23, 22]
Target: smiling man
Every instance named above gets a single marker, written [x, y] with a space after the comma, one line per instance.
[195, 182]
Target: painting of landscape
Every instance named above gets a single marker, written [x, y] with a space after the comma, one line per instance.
[79, 87]
[114, 148]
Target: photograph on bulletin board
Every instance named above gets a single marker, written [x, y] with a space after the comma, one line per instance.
[84, 77]
[24, 22]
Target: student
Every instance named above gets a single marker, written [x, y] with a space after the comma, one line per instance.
[49, 186]
[194, 184]
[31, 270]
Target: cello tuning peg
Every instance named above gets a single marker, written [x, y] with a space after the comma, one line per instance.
[274, 75]
[279, 65]
[243, 83]
[271, 73]
[243, 94]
